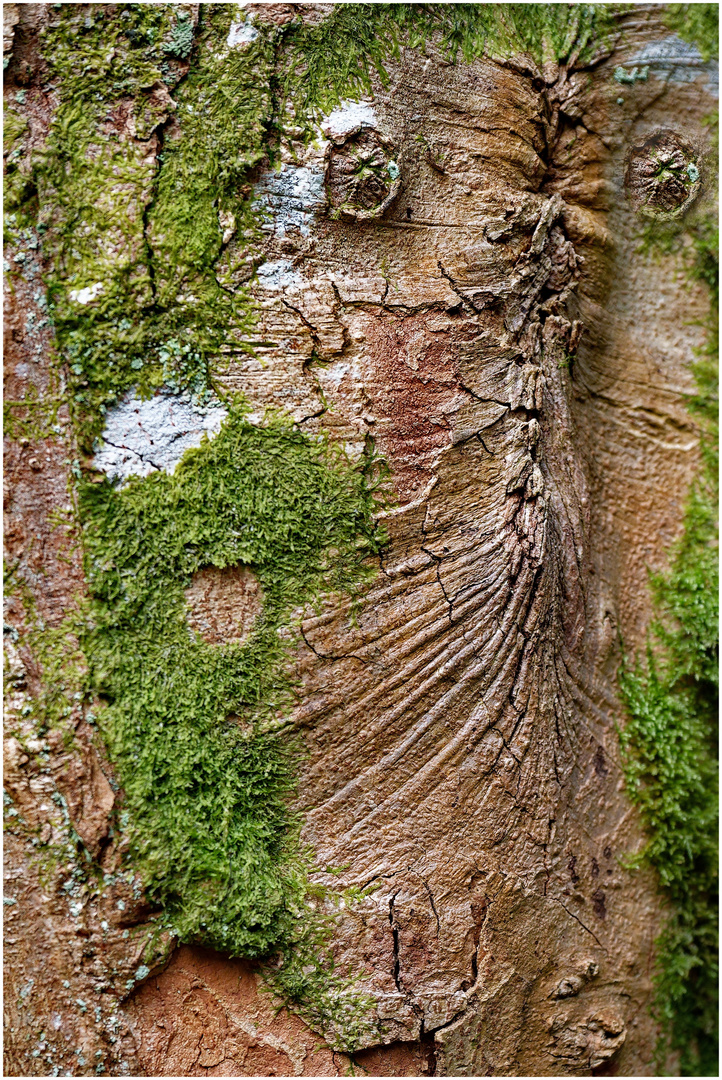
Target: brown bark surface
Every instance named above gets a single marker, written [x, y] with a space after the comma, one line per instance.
[462, 749]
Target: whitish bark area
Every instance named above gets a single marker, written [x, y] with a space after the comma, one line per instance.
[524, 369]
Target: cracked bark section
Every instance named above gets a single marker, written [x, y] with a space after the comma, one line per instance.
[457, 760]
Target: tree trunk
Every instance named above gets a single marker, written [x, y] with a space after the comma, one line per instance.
[449, 276]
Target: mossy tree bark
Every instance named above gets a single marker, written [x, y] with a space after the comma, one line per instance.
[448, 275]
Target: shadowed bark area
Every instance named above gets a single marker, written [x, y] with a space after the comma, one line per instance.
[451, 274]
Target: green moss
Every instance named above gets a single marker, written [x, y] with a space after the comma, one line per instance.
[670, 741]
[59, 660]
[14, 125]
[147, 241]
[190, 726]
[33, 416]
[672, 775]
[336, 58]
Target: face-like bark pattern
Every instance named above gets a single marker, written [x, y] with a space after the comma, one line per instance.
[461, 731]
[453, 274]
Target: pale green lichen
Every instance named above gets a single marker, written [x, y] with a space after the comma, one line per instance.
[633, 76]
[181, 41]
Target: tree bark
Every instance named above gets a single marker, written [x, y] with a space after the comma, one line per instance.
[482, 313]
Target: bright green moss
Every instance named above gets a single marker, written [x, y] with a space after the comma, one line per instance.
[671, 774]
[14, 124]
[337, 57]
[190, 726]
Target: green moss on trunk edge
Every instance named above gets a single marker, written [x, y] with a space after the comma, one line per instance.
[669, 743]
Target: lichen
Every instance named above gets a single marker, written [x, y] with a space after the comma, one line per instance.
[633, 76]
[669, 742]
[181, 41]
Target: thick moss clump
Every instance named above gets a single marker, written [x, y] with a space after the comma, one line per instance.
[187, 723]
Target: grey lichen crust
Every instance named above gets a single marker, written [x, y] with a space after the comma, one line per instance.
[145, 435]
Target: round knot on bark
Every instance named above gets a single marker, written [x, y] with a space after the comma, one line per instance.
[362, 178]
[662, 178]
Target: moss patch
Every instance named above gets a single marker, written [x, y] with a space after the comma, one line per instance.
[337, 58]
[134, 291]
[190, 726]
[206, 782]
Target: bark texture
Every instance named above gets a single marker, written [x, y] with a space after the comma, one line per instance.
[477, 305]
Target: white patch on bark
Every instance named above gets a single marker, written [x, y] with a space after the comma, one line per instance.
[86, 295]
[348, 116]
[292, 196]
[278, 274]
[142, 437]
[241, 33]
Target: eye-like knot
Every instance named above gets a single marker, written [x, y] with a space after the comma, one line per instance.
[662, 178]
[362, 177]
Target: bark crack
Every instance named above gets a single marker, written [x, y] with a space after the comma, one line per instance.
[577, 919]
[331, 656]
[437, 564]
[395, 935]
[455, 288]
